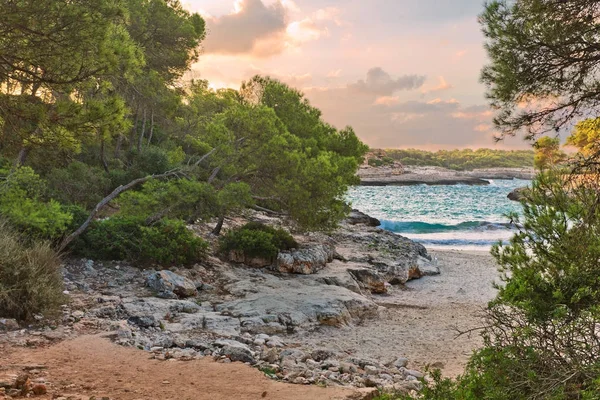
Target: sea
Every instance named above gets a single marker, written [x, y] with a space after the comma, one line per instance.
[460, 216]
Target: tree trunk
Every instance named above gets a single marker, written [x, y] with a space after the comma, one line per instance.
[219, 226]
[22, 157]
[141, 137]
[151, 127]
[103, 156]
[134, 129]
[118, 146]
[66, 241]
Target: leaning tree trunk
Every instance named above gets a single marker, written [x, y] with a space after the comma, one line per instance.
[219, 226]
[66, 241]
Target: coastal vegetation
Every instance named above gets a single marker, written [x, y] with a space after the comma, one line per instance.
[107, 152]
[540, 332]
[460, 160]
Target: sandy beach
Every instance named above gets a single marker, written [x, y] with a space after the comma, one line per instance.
[420, 322]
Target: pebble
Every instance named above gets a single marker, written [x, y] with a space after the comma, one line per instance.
[371, 370]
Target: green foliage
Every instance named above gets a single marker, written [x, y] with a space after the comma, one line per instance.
[541, 329]
[30, 277]
[257, 240]
[547, 152]
[91, 100]
[79, 183]
[168, 242]
[465, 159]
[533, 76]
[586, 136]
[22, 203]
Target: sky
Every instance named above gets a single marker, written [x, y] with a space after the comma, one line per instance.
[402, 73]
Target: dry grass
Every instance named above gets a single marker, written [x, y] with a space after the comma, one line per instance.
[30, 277]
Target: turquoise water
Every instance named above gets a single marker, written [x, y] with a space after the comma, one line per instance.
[458, 216]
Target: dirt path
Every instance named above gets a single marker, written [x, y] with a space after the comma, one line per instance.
[93, 366]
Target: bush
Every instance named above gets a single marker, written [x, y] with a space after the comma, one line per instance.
[22, 204]
[168, 242]
[79, 184]
[257, 240]
[30, 278]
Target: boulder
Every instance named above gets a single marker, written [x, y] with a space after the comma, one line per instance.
[235, 351]
[238, 257]
[359, 218]
[166, 282]
[518, 194]
[307, 260]
[8, 324]
[372, 280]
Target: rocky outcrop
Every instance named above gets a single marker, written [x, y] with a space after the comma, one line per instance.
[170, 285]
[518, 194]
[359, 218]
[307, 260]
[238, 257]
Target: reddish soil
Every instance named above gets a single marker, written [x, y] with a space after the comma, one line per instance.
[92, 366]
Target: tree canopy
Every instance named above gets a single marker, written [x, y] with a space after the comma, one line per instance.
[95, 111]
[543, 71]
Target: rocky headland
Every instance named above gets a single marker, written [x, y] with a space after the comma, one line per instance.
[414, 175]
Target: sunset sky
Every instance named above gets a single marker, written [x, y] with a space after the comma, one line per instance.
[402, 73]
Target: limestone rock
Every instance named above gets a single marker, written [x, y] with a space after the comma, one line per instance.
[372, 280]
[169, 282]
[518, 194]
[8, 324]
[306, 260]
[356, 217]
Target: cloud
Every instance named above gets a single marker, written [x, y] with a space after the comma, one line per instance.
[442, 85]
[253, 28]
[387, 101]
[396, 121]
[305, 30]
[260, 30]
[379, 82]
[334, 73]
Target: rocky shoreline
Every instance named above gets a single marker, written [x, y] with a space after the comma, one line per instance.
[412, 175]
[232, 312]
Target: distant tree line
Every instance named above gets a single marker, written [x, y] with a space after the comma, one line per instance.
[463, 159]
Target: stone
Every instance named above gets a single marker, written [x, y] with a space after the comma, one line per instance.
[372, 280]
[518, 194]
[169, 282]
[307, 260]
[416, 374]
[371, 370]
[39, 389]
[235, 351]
[401, 362]
[356, 217]
[144, 321]
[9, 324]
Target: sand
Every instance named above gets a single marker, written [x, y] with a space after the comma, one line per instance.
[421, 322]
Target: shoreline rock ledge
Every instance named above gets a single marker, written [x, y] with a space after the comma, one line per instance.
[260, 316]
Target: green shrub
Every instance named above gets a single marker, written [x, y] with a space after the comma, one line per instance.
[80, 184]
[30, 278]
[257, 240]
[168, 242]
[22, 203]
